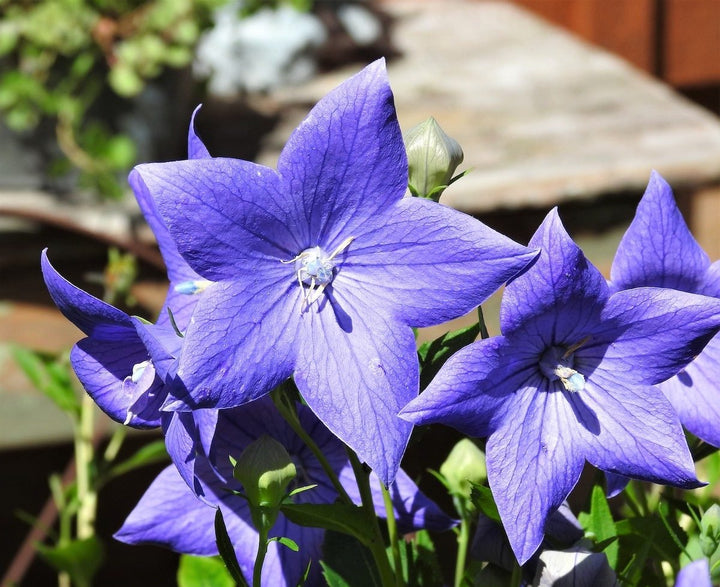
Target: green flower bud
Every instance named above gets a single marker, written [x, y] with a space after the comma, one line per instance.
[464, 465]
[265, 470]
[433, 158]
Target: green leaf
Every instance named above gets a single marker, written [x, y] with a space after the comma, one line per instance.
[285, 541]
[483, 500]
[226, 550]
[347, 563]
[600, 522]
[348, 519]
[424, 567]
[80, 559]
[332, 578]
[203, 571]
[49, 376]
[434, 354]
[147, 455]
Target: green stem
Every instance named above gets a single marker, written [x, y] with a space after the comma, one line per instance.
[287, 409]
[392, 535]
[86, 494]
[375, 543]
[516, 578]
[260, 558]
[463, 541]
[116, 441]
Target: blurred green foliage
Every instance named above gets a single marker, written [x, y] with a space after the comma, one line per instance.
[60, 58]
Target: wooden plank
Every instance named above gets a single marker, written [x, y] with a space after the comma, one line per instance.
[692, 42]
[625, 27]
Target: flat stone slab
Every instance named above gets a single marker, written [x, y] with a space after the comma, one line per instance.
[542, 117]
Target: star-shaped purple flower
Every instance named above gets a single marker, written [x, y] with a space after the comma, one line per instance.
[171, 515]
[321, 268]
[659, 250]
[571, 380]
[124, 363]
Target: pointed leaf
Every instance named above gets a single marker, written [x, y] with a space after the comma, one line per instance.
[600, 522]
[226, 550]
[484, 502]
[149, 454]
[49, 377]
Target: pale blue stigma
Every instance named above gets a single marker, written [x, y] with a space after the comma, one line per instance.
[192, 287]
[557, 363]
[315, 265]
[138, 370]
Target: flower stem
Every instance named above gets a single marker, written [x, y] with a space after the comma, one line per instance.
[86, 493]
[375, 543]
[392, 535]
[286, 407]
[463, 540]
[260, 558]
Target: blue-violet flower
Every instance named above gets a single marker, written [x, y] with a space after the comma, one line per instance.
[571, 380]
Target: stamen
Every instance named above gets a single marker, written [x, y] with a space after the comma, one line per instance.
[343, 245]
[572, 348]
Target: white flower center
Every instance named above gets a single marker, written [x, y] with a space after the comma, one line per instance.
[315, 270]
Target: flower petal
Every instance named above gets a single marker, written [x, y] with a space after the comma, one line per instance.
[428, 263]
[559, 296]
[635, 432]
[170, 515]
[695, 574]
[356, 369]
[470, 391]
[658, 249]
[196, 148]
[240, 344]
[346, 161]
[695, 394]
[227, 217]
[533, 463]
[105, 369]
[91, 315]
[648, 334]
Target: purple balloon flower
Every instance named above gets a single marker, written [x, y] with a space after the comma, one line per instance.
[172, 515]
[321, 268]
[124, 363]
[695, 574]
[571, 380]
[659, 250]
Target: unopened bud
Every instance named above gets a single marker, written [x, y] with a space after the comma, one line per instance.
[265, 470]
[464, 466]
[433, 158]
